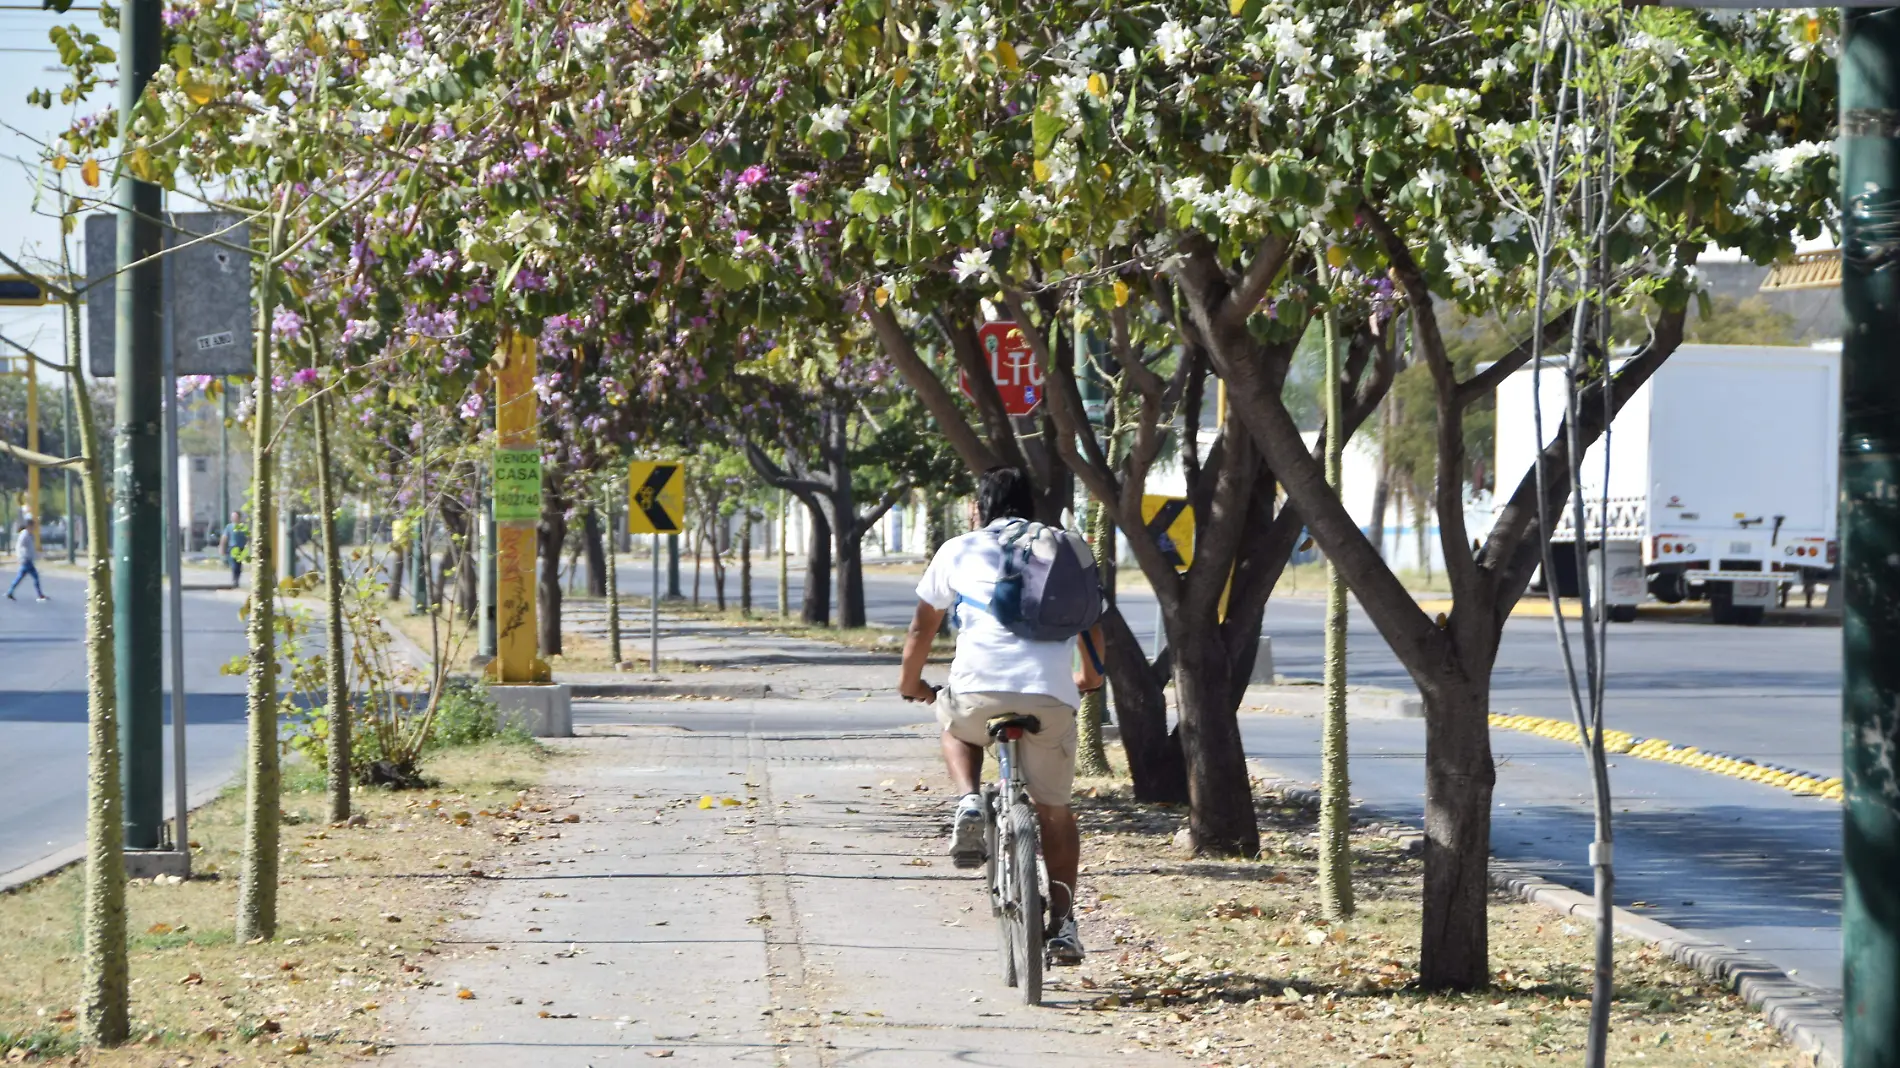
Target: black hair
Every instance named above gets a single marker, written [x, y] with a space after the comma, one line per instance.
[1004, 493]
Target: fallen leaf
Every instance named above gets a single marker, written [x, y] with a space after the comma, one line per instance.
[546, 1015]
[191, 980]
[706, 801]
[159, 929]
[572, 817]
[465, 994]
[659, 1053]
[301, 1045]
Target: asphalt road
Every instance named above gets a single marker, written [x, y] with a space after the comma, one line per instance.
[43, 710]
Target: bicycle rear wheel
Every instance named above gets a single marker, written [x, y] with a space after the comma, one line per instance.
[996, 884]
[1026, 924]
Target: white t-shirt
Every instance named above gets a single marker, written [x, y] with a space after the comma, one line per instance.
[23, 546]
[989, 658]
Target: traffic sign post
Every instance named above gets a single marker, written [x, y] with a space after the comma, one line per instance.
[656, 506]
[1012, 367]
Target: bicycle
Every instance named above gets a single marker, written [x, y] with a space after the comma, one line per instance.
[1011, 840]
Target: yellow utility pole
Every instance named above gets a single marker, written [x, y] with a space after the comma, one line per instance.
[517, 489]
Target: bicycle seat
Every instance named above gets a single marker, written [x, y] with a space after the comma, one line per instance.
[999, 724]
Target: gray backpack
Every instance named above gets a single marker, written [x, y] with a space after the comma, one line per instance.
[1049, 590]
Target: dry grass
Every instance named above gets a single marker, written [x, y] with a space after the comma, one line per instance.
[358, 908]
[1232, 964]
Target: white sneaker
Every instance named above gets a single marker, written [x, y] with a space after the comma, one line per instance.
[966, 833]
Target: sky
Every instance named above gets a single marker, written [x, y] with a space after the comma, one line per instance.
[28, 61]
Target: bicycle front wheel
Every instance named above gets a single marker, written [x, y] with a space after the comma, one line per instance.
[1027, 892]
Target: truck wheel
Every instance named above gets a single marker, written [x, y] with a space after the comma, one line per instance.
[1749, 615]
[1669, 587]
[1622, 613]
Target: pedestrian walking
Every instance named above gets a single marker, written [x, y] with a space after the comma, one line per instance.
[26, 552]
[232, 543]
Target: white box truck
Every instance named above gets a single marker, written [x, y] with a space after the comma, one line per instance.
[1722, 482]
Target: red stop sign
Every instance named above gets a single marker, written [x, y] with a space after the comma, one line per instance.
[1012, 367]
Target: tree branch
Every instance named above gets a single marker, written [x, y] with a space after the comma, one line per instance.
[1480, 385]
[1448, 498]
[1268, 258]
[1514, 547]
[930, 389]
[38, 459]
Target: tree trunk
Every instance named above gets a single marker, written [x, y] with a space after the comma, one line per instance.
[257, 884]
[745, 564]
[1155, 762]
[105, 993]
[1090, 758]
[817, 607]
[1459, 776]
[850, 572]
[612, 575]
[596, 551]
[1220, 793]
[719, 567]
[699, 542]
[459, 520]
[551, 536]
[936, 523]
[336, 657]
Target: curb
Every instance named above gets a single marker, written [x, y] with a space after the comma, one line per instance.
[1808, 1022]
[1308, 697]
[735, 690]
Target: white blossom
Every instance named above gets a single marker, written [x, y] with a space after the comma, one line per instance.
[1127, 60]
[712, 46]
[1784, 162]
[1213, 141]
[1173, 42]
[879, 184]
[972, 264]
[830, 119]
[1469, 266]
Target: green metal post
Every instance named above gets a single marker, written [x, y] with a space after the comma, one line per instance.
[1870, 537]
[137, 482]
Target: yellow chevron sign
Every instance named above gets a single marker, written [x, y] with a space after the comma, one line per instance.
[658, 497]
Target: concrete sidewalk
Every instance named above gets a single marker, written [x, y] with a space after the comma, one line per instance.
[814, 923]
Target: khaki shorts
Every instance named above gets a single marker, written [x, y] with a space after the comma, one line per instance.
[1048, 756]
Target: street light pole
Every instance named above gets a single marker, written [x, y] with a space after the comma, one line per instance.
[137, 515]
[1870, 536]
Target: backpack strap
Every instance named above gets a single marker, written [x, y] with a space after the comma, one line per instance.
[1088, 644]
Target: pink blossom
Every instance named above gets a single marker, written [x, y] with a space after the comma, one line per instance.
[753, 175]
[305, 378]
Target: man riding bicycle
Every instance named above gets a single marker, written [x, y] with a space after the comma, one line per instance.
[994, 673]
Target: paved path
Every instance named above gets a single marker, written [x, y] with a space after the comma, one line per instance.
[815, 925]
